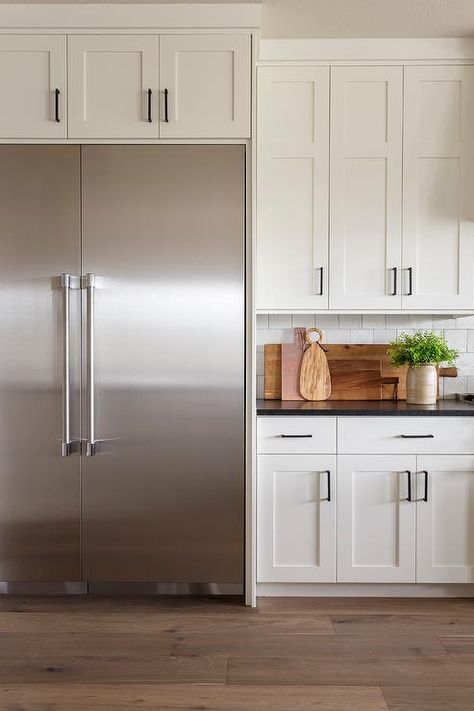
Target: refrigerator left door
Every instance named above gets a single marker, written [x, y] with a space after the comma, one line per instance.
[40, 238]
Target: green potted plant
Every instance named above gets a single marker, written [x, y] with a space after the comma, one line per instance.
[422, 352]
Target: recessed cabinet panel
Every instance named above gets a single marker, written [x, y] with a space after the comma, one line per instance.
[376, 522]
[32, 86]
[438, 212]
[366, 164]
[109, 82]
[293, 188]
[445, 516]
[297, 518]
[207, 83]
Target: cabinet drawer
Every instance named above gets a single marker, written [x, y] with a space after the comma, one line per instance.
[406, 435]
[296, 435]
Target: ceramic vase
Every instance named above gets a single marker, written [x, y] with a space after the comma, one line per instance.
[422, 385]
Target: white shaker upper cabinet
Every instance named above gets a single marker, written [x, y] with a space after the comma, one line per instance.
[110, 80]
[445, 515]
[376, 521]
[205, 86]
[438, 213]
[32, 86]
[292, 188]
[366, 184]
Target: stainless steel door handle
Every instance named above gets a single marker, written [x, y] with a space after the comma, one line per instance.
[67, 283]
[89, 284]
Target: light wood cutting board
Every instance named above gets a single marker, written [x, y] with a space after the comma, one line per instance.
[315, 378]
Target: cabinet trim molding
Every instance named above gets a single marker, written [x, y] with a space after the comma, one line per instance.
[332, 51]
[129, 17]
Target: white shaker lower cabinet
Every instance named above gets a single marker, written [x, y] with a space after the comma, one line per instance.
[296, 518]
[33, 86]
[376, 522]
[438, 184]
[110, 80]
[366, 183]
[205, 86]
[445, 519]
[292, 188]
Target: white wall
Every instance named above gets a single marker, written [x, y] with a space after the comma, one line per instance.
[367, 18]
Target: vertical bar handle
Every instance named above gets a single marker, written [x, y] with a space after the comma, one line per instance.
[149, 94]
[410, 281]
[320, 291]
[425, 495]
[395, 280]
[57, 116]
[166, 93]
[328, 474]
[409, 497]
[90, 441]
[66, 391]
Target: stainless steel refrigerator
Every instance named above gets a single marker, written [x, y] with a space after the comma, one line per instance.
[122, 365]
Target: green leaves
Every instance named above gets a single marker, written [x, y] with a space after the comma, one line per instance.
[420, 348]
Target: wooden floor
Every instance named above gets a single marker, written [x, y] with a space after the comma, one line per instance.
[91, 654]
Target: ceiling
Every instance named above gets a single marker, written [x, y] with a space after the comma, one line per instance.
[352, 18]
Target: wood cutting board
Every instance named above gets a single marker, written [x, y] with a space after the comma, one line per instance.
[315, 378]
[355, 379]
[291, 357]
[272, 371]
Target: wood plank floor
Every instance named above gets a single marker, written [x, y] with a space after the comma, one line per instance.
[298, 654]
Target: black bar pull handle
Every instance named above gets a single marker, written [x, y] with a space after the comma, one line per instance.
[409, 497]
[427, 436]
[149, 105]
[296, 436]
[57, 116]
[166, 93]
[395, 281]
[328, 474]
[410, 281]
[425, 496]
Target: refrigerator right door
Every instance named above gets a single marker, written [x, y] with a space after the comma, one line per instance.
[163, 495]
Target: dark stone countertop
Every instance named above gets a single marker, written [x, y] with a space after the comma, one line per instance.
[365, 408]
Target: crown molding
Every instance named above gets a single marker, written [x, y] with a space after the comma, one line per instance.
[118, 16]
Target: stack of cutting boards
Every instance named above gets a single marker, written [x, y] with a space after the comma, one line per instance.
[358, 372]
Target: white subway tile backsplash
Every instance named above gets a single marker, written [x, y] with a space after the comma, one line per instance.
[302, 321]
[279, 321]
[362, 336]
[260, 386]
[337, 336]
[457, 339]
[262, 321]
[470, 341]
[375, 321]
[465, 322]
[350, 321]
[397, 321]
[454, 386]
[465, 364]
[326, 321]
[384, 336]
[470, 384]
[443, 323]
[424, 323]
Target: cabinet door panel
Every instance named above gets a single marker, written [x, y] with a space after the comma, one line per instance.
[109, 77]
[376, 523]
[438, 230]
[208, 80]
[445, 523]
[293, 188]
[296, 522]
[366, 165]
[32, 68]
